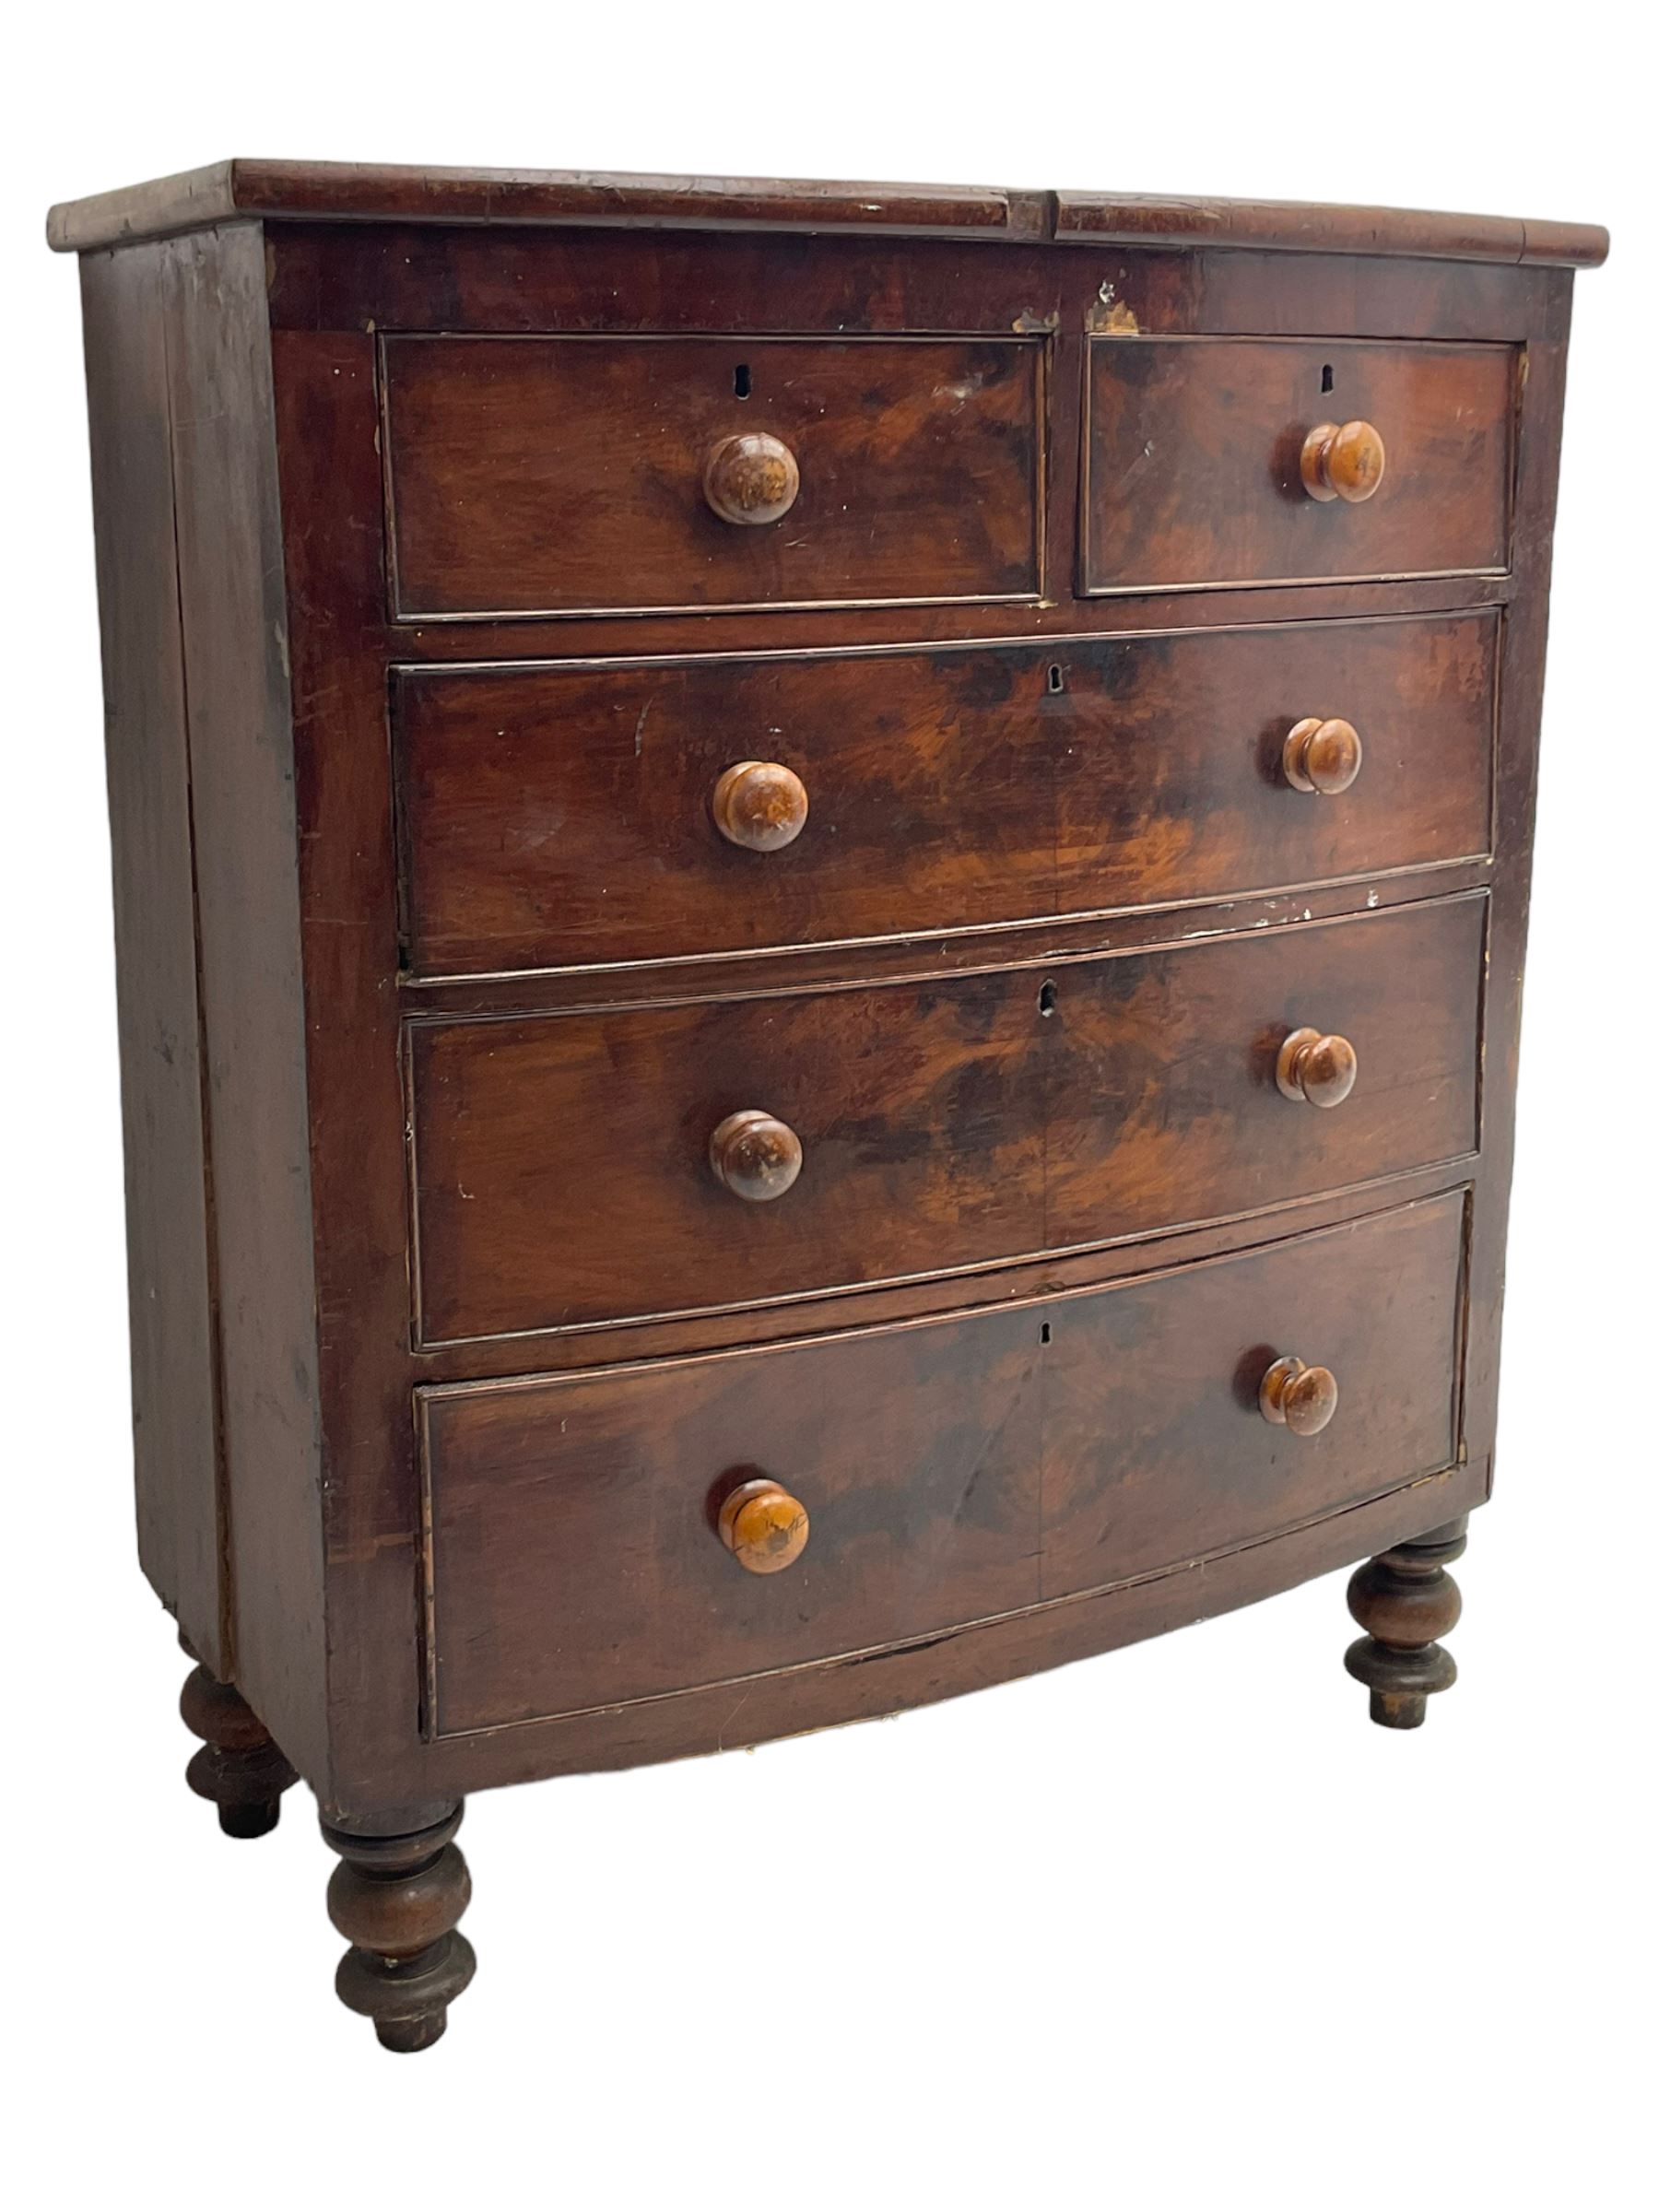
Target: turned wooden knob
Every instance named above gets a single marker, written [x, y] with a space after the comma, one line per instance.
[759, 804]
[753, 479]
[1323, 755]
[763, 1527]
[755, 1155]
[1298, 1397]
[1342, 461]
[1318, 1071]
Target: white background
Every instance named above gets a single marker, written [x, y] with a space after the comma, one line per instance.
[1173, 1928]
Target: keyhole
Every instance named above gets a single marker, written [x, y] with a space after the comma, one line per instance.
[1327, 378]
[740, 380]
[1048, 1333]
[1057, 677]
[1048, 998]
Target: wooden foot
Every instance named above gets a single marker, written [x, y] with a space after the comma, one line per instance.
[397, 1898]
[1406, 1599]
[238, 1766]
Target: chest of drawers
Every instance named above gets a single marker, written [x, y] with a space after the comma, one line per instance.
[820, 895]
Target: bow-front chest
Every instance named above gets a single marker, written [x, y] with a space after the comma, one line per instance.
[820, 896]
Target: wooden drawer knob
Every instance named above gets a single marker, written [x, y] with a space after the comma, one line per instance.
[1299, 1398]
[1323, 755]
[751, 479]
[1342, 461]
[1318, 1071]
[755, 1155]
[763, 1527]
[759, 804]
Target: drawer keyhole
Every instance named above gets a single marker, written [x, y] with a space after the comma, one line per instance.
[1327, 378]
[741, 386]
[1048, 998]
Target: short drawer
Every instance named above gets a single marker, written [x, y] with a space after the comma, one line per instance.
[627, 810]
[564, 476]
[1193, 461]
[947, 1471]
[563, 1164]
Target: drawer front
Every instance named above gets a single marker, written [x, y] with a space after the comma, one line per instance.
[562, 1162]
[566, 815]
[949, 1470]
[1192, 460]
[558, 476]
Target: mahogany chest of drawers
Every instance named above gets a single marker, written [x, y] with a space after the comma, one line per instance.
[820, 895]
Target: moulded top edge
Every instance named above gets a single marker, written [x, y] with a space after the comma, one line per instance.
[353, 192]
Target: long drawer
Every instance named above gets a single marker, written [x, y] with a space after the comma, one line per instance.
[565, 1165]
[568, 475]
[942, 1472]
[1195, 451]
[561, 816]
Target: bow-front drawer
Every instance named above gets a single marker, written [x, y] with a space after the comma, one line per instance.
[584, 1168]
[601, 1538]
[1219, 461]
[632, 810]
[560, 476]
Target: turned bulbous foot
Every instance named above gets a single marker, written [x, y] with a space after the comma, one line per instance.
[238, 1767]
[1406, 1601]
[397, 1898]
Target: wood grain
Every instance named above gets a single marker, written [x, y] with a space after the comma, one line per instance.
[554, 816]
[170, 1319]
[234, 618]
[954, 1471]
[763, 1526]
[1342, 461]
[551, 476]
[942, 1126]
[377, 192]
[1307, 227]
[382, 192]
[1193, 468]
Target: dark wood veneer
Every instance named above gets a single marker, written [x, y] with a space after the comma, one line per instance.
[559, 815]
[381, 191]
[170, 1235]
[954, 1471]
[1193, 461]
[533, 475]
[560, 1162]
